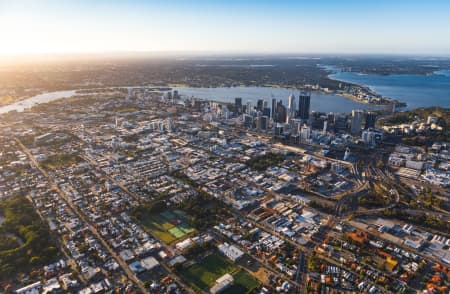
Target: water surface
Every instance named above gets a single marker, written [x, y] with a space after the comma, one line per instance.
[319, 101]
[415, 90]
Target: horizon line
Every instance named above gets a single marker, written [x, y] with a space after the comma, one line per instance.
[206, 53]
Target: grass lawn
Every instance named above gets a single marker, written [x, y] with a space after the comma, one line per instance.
[243, 283]
[187, 229]
[162, 226]
[159, 227]
[60, 160]
[204, 274]
[176, 232]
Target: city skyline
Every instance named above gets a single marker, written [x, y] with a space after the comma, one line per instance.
[233, 27]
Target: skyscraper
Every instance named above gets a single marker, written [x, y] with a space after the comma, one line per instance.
[357, 119]
[274, 108]
[304, 101]
[249, 107]
[371, 119]
[248, 120]
[238, 104]
[260, 105]
[291, 108]
[281, 112]
[264, 122]
[340, 122]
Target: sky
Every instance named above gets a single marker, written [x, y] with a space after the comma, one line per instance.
[231, 26]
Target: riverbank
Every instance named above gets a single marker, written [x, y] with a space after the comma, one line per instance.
[357, 99]
[410, 91]
[8, 99]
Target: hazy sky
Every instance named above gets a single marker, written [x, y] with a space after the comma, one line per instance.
[301, 26]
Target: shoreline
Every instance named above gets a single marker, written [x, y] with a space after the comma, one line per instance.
[356, 99]
[169, 87]
[368, 90]
[18, 99]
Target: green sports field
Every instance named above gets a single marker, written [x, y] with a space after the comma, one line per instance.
[203, 275]
[168, 226]
[243, 283]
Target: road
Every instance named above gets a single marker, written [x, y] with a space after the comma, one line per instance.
[120, 261]
[141, 201]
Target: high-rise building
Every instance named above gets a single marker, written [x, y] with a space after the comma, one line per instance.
[238, 104]
[266, 111]
[340, 122]
[305, 132]
[371, 118]
[249, 107]
[278, 129]
[356, 124]
[248, 120]
[176, 96]
[304, 102]
[274, 108]
[260, 105]
[291, 108]
[264, 120]
[281, 112]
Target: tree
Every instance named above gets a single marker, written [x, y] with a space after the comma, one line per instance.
[35, 260]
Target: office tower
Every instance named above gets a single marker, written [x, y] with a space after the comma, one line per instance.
[249, 107]
[340, 122]
[357, 119]
[371, 118]
[305, 132]
[259, 105]
[325, 125]
[281, 112]
[266, 111]
[265, 104]
[278, 129]
[304, 101]
[274, 108]
[316, 119]
[238, 104]
[264, 120]
[248, 120]
[258, 122]
[175, 95]
[291, 108]
[296, 125]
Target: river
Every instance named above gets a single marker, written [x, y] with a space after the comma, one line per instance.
[319, 101]
[415, 90]
[38, 99]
